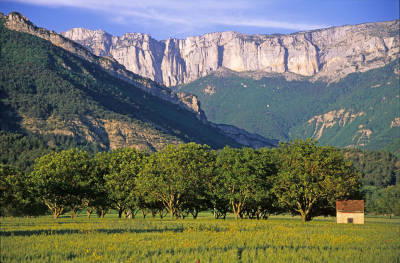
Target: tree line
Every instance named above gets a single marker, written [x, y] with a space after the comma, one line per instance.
[298, 177]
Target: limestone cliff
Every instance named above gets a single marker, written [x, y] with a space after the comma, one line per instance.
[109, 133]
[327, 54]
[341, 118]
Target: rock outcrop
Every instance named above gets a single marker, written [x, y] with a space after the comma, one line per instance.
[327, 54]
[336, 117]
[246, 138]
[108, 133]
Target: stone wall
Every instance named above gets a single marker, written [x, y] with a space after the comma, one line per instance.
[342, 217]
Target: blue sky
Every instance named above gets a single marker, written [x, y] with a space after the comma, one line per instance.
[181, 18]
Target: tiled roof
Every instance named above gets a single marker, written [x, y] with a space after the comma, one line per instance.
[350, 206]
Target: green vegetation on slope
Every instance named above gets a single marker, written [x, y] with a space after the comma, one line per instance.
[378, 168]
[47, 90]
[281, 109]
[21, 149]
[255, 105]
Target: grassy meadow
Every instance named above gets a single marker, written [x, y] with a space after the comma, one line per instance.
[278, 239]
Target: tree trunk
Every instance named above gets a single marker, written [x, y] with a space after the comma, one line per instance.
[120, 212]
[171, 209]
[73, 213]
[144, 213]
[236, 209]
[57, 212]
[195, 213]
[54, 208]
[89, 213]
[160, 212]
[305, 213]
[305, 216]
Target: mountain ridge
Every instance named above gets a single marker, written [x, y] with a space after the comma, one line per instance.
[79, 73]
[18, 22]
[324, 54]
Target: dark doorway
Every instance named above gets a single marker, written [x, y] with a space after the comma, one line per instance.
[350, 220]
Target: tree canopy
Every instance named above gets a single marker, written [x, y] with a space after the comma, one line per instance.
[62, 179]
[177, 175]
[312, 176]
[298, 177]
[245, 175]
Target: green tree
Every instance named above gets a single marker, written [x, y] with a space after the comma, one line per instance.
[120, 170]
[16, 197]
[389, 201]
[97, 198]
[311, 177]
[176, 175]
[369, 194]
[244, 174]
[378, 168]
[62, 179]
[9, 188]
[263, 202]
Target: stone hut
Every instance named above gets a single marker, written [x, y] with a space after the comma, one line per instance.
[350, 212]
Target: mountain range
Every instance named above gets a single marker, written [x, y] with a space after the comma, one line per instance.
[54, 93]
[338, 85]
[89, 89]
[327, 54]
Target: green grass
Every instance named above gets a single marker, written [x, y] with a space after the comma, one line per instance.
[278, 239]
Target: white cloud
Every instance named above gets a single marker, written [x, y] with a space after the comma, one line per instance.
[262, 23]
[181, 13]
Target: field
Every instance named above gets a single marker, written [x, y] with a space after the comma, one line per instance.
[278, 239]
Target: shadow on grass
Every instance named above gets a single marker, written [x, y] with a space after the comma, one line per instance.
[76, 231]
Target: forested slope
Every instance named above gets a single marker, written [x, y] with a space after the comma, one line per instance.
[50, 98]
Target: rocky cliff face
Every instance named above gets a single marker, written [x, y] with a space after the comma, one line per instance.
[327, 54]
[246, 138]
[336, 117]
[109, 133]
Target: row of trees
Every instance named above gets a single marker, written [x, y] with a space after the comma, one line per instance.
[299, 177]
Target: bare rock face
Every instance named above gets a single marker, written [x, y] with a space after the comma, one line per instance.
[327, 54]
[112, 134]
[341, 117]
